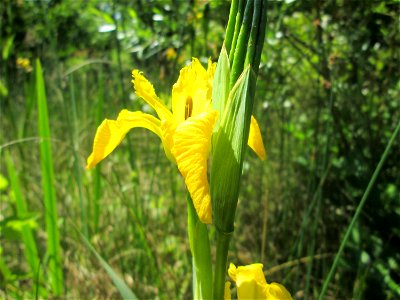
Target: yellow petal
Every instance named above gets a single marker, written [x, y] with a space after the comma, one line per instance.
[192, 141]
[250, 281]
[276, 291]
[232, 271]
[190, 95]
[255, 139]
[227, 291]
[168, 128]
[145, 90]
[111, 132]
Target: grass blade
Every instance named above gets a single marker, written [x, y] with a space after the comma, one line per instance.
[358, 211]
[75, 153]
[123, 289]
[97, 173]
[49, 192]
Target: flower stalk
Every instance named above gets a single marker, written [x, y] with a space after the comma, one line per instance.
[232, 131]
[200, 248]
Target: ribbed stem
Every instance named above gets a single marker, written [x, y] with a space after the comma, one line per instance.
[223, 240]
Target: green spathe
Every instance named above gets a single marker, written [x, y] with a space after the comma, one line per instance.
[229, 151]
[221, 82]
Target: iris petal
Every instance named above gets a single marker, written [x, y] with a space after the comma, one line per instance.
[110, 133]
[145, 90]
[251, 284]
[276, 291]
[255, 141]
[193, 83]
[250, 281]
[192, 141]
[168, 128]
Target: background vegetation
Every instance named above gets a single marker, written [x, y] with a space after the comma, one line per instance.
[327, 101]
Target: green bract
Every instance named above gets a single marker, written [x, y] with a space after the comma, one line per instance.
[229, 150]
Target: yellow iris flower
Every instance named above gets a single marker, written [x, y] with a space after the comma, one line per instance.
[185, 132]
[251, 284]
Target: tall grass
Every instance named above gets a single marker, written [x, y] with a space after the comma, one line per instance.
[358, 210]
[30, 251]
[73, 128]
[48, 187]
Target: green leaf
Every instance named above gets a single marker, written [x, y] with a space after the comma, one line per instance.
[8, 45]
[25, 223]
[48, 187]
[3, 183]
[123, 289]
[21, 224]
[3, 89]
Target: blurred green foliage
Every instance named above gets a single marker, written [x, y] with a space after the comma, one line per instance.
[327, 101]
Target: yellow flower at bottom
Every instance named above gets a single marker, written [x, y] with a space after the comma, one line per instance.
[251, 284]
[185, 132]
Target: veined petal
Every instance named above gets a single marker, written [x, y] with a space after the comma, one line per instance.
[190, 95]
[192, 140]
[255, 141]
[145, 90]
[168, 128]
[110, 133]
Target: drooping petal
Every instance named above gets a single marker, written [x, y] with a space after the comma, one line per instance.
[144, 89]
[190, 95]
[192, 141]
[276, 291]
[111, 132]
[250, 281]
[255, 141]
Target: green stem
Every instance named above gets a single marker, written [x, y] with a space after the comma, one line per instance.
[223, 240]
[200, 247]
[358, 211]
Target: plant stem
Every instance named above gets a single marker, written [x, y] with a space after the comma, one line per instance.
[200, 247]
[358, 211]
[223, 240]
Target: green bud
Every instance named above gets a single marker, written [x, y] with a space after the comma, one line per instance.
[229, 151]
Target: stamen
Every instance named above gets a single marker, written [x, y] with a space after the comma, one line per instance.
[188, 107]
